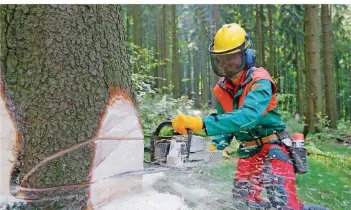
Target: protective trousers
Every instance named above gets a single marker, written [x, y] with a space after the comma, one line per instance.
[272, 169]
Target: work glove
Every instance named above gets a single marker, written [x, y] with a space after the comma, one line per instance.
[182, 122]
[212, 148]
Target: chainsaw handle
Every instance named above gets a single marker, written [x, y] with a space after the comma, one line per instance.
[162, 125]
[190, 135]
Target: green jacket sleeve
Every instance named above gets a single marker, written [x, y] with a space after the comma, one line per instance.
[221, 141]
[245, 118]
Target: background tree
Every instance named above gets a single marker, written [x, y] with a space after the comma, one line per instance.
[136, 24]
[313, 68]
[203, 56]
[166, 44]
[176, 70]
[270, 41]
[215, 26]
[327, 37]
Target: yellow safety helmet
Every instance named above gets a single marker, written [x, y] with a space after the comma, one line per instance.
[228, 39]
[231, 39]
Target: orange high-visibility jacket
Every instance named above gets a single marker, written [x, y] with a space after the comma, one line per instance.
[225, 97]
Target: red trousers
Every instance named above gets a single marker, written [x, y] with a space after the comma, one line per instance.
[272, 169]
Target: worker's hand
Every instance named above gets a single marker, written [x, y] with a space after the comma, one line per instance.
[182, 122]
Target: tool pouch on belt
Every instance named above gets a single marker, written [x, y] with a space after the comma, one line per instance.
[298, 155]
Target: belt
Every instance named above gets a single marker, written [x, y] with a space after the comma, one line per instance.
[260, 141]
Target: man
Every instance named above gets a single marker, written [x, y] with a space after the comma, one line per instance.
[247, 109]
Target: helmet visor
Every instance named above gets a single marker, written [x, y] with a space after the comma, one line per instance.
[227, 65]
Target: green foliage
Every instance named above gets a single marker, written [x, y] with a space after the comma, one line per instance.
[327, 134]
[344, 127]
[292, 124]
[154, 105]
[144, 60]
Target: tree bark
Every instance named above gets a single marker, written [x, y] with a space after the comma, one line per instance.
[328, 65]
[62, 67]
[313, 68]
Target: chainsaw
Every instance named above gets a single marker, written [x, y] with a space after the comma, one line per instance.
[180, 150]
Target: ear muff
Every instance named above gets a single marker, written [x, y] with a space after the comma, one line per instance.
[250, 57]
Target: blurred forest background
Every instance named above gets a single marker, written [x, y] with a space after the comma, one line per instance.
[306, 49]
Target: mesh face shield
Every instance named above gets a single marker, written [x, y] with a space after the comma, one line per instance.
[228, 64]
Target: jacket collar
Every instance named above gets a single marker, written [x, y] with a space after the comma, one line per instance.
[227, 84]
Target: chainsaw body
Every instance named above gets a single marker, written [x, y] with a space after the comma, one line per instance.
[180, 150]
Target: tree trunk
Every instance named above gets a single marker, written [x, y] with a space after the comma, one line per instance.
[313, 68]
[338, 98]
[258, 37]
[215, 27]
[197, 79]
[348, 93]
[262, 39]
[127, 14]
[299, 78]
[136, 25]
[166, 51]
[203, 57]
[159, 50]
[63, 68]
[270, 40]
[328, 65]
[188, 74]
[282, 72]
[176, 73]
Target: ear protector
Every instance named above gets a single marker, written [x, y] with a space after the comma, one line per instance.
[250, 55]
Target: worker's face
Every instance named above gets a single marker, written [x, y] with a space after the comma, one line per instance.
[230, 63]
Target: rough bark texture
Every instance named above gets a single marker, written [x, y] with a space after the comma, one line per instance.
[313, 67]
[176, 71]
[58, 63]
[330, 101]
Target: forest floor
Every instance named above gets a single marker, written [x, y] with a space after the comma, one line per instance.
[209, 187]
